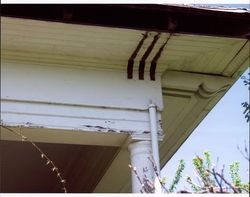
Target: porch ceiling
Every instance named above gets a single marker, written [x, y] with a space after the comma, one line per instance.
[23, 170]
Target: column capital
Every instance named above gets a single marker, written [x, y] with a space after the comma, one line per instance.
[145, 137]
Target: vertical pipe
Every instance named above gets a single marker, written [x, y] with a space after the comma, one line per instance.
[154, 135]
[154, 142]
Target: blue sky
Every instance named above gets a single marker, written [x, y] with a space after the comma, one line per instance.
[220, 132]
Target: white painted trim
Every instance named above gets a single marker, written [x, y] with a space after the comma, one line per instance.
[60, 136]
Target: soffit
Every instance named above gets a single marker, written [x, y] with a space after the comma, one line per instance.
[23, 169]
[110, 48]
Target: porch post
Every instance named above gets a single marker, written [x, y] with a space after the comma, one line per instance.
[140, 151]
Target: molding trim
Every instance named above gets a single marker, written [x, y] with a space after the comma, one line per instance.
[196, 94]
[32, 114]
[206, 93]
[64, 136]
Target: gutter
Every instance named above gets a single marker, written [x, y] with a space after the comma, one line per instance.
[147, 17]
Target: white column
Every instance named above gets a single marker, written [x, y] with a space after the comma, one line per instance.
[140, 151]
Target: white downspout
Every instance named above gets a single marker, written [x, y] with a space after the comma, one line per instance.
[154, 141]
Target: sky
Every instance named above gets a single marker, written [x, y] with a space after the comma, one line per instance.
[219, 133]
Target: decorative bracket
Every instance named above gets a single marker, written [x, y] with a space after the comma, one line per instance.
[146, 54]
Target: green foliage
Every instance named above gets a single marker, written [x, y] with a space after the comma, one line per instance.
[245, 104]
[246, 81]
[236, 179]
[214, 182]
[246, 112]
[245, 187]
[208, 159]
[234, 171]
[202, 167]
[209, 180]
[196, 188]
[163, 180]
[177, 175]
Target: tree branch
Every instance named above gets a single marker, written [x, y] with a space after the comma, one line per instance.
[229, 184]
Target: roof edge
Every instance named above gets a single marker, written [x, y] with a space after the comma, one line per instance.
[148, 17]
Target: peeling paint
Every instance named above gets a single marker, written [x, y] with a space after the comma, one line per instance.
[82, 128]
[110, 130]
[99, 127]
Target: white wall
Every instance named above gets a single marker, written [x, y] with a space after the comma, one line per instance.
[73, 98]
